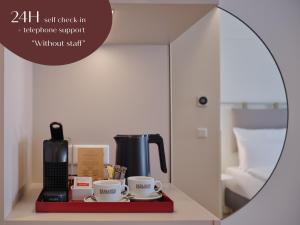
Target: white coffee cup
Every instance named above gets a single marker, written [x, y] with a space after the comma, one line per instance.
[142, 186]
[109, 190]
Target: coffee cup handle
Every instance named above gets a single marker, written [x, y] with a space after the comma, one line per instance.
[158, 184]
[126, 192]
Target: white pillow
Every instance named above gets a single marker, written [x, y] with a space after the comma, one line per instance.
[259, 147]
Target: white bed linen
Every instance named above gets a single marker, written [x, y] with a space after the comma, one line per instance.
[262, 173]
[259, 147]
[243, 183]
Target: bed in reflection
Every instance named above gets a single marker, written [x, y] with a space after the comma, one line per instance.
[256, 138]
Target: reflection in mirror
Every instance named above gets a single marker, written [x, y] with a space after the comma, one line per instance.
[253, 111]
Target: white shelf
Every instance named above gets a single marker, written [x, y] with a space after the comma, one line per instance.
[187, 211]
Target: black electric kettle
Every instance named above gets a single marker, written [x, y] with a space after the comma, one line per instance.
[133, 153]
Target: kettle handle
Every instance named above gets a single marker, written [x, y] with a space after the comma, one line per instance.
[157, 139]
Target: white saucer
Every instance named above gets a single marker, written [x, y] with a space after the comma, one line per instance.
[151, 197]
[92, 199]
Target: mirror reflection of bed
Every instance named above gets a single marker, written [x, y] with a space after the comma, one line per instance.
[253, 111]
[255, 140]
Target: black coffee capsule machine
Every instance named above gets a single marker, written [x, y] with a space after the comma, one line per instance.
[55, 166]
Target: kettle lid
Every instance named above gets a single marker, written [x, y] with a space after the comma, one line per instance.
[119, 136]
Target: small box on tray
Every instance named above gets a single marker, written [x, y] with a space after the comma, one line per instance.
[82, 188]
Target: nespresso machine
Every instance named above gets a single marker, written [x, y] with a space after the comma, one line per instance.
[55, 166]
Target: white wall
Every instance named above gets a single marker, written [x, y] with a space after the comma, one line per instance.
[1, 131]
[248, 71]
[277, 23]
[117, 90]
[195, 72]
[17, 127]
[248, 74]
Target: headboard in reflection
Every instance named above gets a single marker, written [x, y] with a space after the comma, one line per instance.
[251, 142]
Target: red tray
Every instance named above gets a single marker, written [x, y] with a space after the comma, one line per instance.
[163, 205]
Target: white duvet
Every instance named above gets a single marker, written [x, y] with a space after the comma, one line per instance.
[262, 173]
[242, 182]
